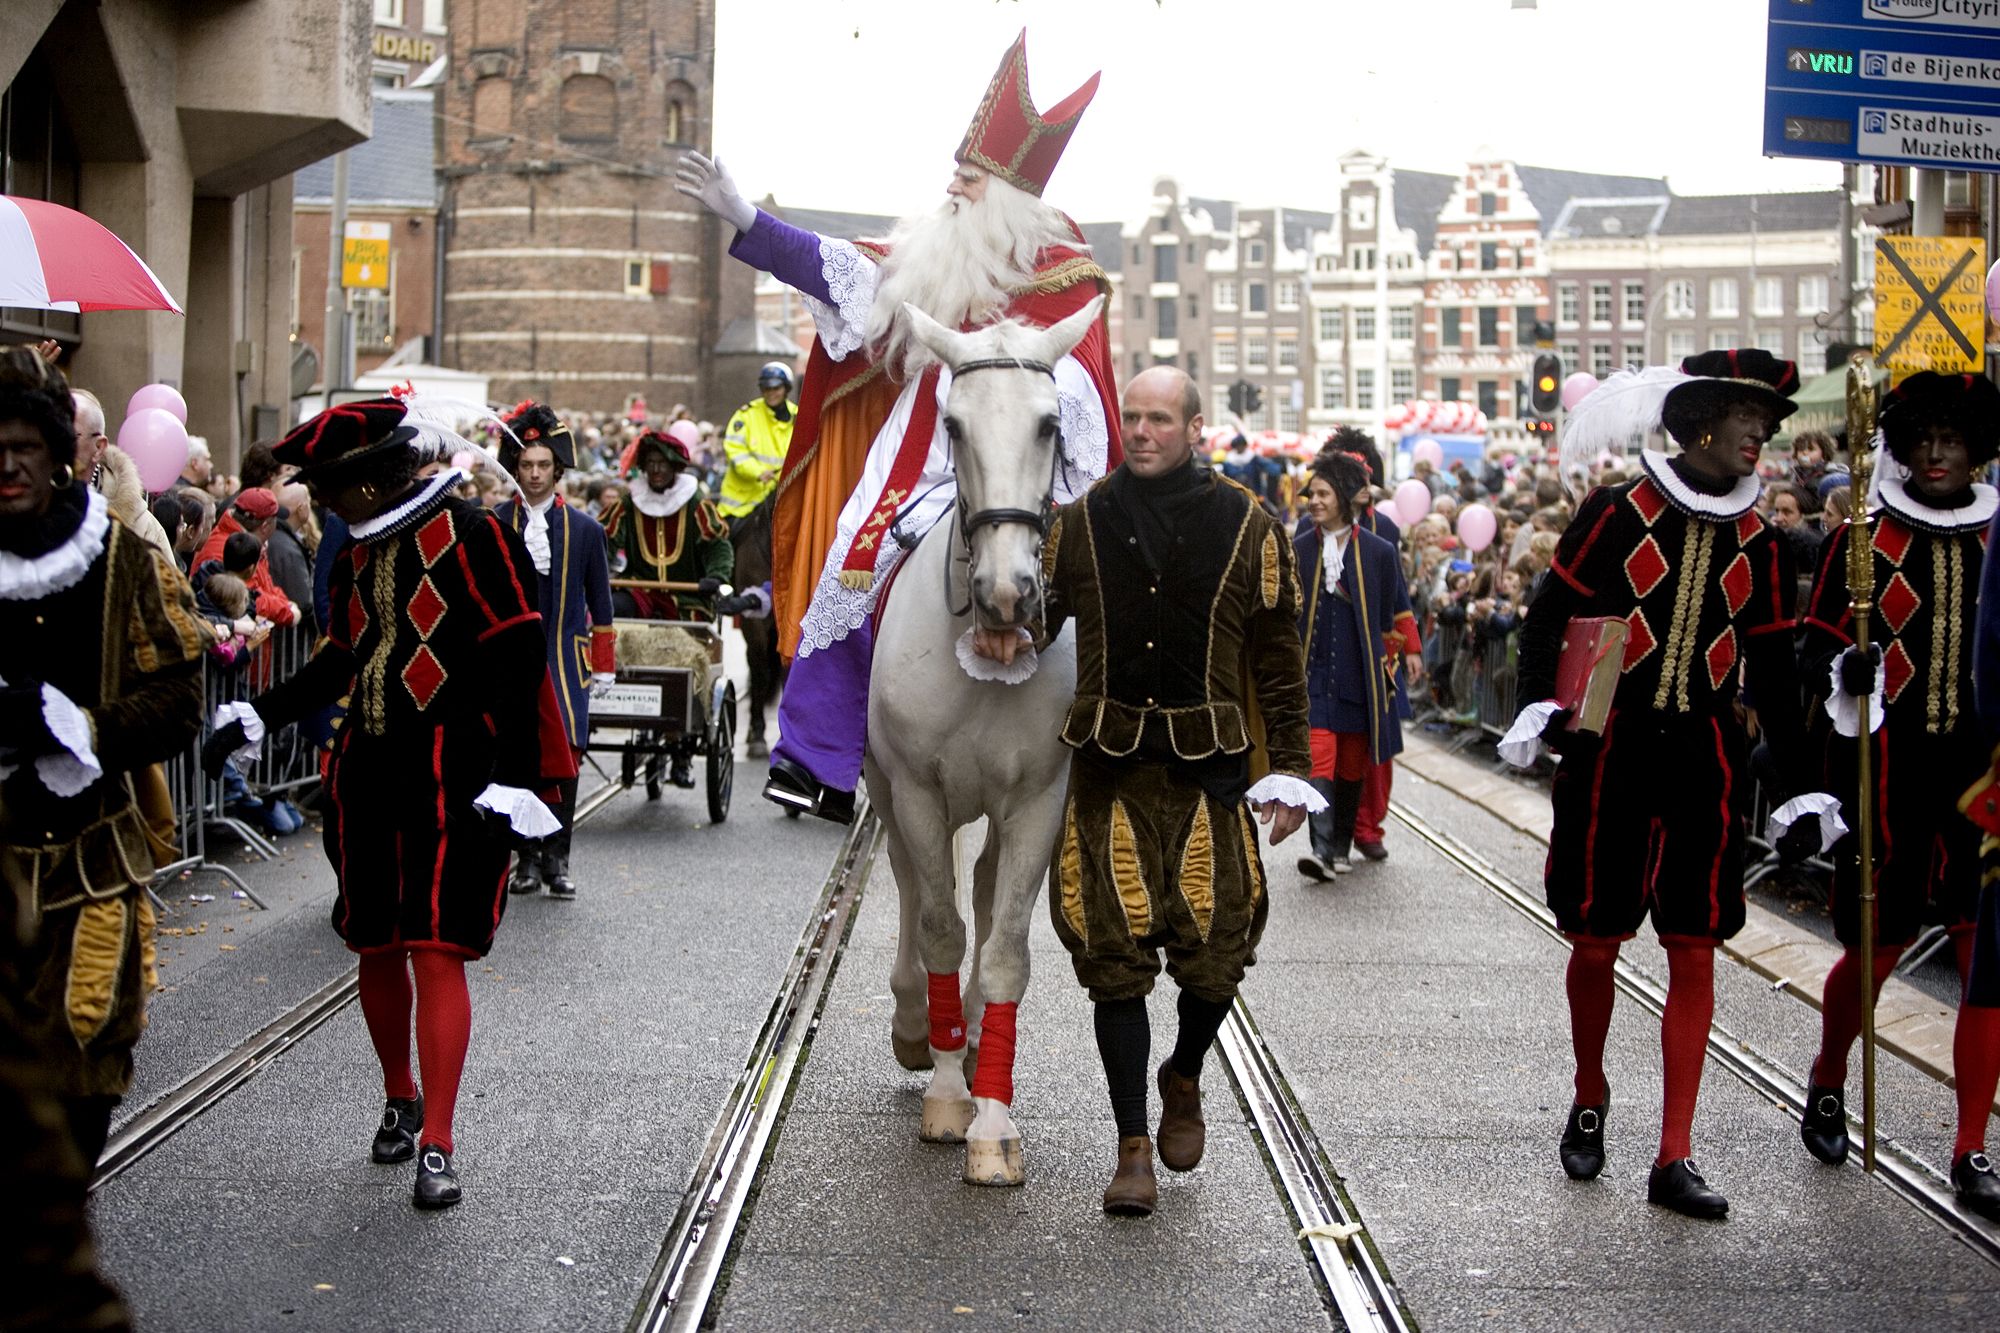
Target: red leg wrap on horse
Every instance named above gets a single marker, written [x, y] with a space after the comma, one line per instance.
[1840, 1013]
[444, 1030]
[1591, 983]
[995, 1075]
[385, 1006]
[947, 1012]
[1975, 1065]
[1684, 1040]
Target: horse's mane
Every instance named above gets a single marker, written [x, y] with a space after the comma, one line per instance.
[1007, 337]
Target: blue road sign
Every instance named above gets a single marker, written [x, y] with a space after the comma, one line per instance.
[1904, 82]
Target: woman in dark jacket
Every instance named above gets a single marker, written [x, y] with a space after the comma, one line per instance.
[1357, 626]
[450, 743]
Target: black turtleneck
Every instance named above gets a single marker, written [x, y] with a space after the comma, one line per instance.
[37, 534]
[1156, 506]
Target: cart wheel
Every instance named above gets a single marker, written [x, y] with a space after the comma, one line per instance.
[721, 765]
[628, 767]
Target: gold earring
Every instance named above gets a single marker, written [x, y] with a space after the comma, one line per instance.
[368, 491]
[1707, 438]
[68, 476]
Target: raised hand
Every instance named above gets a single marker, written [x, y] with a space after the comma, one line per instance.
[708, 182]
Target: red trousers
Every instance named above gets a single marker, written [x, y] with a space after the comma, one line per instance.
[1374, 809]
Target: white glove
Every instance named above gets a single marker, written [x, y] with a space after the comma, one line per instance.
[709, 183]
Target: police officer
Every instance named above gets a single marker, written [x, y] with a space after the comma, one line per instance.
[760, 432]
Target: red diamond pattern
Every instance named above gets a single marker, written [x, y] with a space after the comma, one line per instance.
[424, 676]
[1893, 539]
[1899, 601]
[1748, 526]
[1897, 671]
[1639, 639]
[1736, 582]
[1646, 498]
[357, 618]
[1645, 567]
[426, 607]
[1721, 658]
[434, 538]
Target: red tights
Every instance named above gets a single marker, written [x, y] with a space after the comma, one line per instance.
[444, 1028]
[1683, 1028]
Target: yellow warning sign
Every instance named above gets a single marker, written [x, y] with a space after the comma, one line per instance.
[364, 255]
[1930, 304]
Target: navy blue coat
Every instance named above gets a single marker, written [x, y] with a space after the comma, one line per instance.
[1354, 647]
[576, 607]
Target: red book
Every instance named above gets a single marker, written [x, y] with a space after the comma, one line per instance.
[1593, 657]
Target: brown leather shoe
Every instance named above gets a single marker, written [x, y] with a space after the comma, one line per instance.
[1183, 1134]
[1133, 1192]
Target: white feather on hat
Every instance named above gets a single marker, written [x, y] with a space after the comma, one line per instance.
[1623, 409]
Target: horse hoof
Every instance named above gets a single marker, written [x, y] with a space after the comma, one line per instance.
[756, 749]
[911, 1052]
[946, 1119]
[994, 1161]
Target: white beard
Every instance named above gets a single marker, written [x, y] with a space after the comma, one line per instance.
[959, 265]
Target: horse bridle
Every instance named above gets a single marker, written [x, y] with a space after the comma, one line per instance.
[968, 523]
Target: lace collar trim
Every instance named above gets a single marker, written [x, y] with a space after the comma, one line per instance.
[1895, 497]
[25, 578]
[667, 503]
[400, 516]
[1734, 503]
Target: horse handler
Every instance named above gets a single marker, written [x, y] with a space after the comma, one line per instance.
[451, 742]
[1186, 602]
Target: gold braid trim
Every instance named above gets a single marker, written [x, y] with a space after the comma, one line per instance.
[1128, 875]
[1694, 565]
[373, 691]
[1071, 871]
[1197, 873]
[1957, 626]
[1251, 861]
[1941, 608]
[1707, 549]
[1272, 586]
[1059, 276]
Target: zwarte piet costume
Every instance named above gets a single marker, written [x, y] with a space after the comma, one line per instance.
[667, 536]
[1649, 814]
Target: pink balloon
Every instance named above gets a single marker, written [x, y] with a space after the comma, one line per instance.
[163, 396]
[685, 432]
[157, 443]
[1477, 527]
[1428, 451]
[1578, 387]
[462, 460]
[1412, 501]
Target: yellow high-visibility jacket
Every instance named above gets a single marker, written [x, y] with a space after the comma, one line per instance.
[754, 445]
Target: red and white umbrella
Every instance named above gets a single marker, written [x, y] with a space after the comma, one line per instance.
[55, 258]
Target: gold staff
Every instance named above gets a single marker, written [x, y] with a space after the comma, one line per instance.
[1861, 605]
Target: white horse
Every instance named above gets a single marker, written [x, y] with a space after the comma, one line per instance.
[945, 750]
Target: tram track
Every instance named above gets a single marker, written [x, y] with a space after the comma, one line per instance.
[202, 1091]
[1908, 1175]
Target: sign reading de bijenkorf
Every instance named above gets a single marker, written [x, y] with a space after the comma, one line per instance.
[1903, 82]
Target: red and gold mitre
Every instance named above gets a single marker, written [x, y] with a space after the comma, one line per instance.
[1011, 139]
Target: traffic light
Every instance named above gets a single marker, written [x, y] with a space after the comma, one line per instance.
[1236, 397]
[1253, 398]
[1545, 389]
[1539, 428]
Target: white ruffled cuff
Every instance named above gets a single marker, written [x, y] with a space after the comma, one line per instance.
[521, 808]
[1281, 790]
[1842, 706]
[70, 770]
[985, 668]
[1522, 744]
[1832, 828]
[253, 731]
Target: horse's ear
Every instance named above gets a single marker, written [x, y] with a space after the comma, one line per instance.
[1062, 336]
[941, 341]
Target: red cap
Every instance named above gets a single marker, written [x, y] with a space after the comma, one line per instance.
[1009, 138]
[257, 503]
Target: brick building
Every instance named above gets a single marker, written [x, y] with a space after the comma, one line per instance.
[391, 179]
[573, 272]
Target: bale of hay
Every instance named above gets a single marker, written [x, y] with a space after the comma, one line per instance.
[645, 643]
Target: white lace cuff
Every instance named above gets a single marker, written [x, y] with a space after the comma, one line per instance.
[1523, 742]
[70, 770]
[521, 808]
[1086, 438]
[1276, 788]
[842, 323]
[253, 731]
[1844, 709]
[1003, 673]
[1832, 828]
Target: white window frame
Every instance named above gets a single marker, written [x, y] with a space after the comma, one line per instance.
[1680, 345]
[1256, 352]
[1288, 294]
[389, 13]
[1772, 286]
[1288, 351]
[1634, 297]
[638, 275]
[1364, 325]
[1333, 388]
[1223, 295]
[1361, 258]
[1680, 298]
[1600, 359]
[1567, 308]
[434, 15]
[1402, 383]
[1364, 389]
[1811, 352]
[1721, 340]
[1632, 353]
[1600, 305]
[1814, 290]
[1288, 416]
[1402, 323]
[1725, 298]
[1222, 351]
[1253, 253]
[1332, 318]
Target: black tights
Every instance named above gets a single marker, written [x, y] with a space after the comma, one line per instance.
[1124, 1043]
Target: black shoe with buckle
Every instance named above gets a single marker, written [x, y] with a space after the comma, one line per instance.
[1679, 1186]
[1583, 1142]
[437, 1183]
[402, 1121]
[1977, 1184]
[1824, 1125]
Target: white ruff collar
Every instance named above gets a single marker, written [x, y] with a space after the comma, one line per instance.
[663, 504]
[25, 578]
[423, 495]
[1894, 495]
[1739, 500]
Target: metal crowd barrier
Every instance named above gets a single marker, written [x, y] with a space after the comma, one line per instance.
[288, 764]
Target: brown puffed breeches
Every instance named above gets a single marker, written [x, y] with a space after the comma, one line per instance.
[1149, 861]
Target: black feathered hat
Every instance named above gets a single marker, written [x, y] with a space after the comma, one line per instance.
[531, 422]
[658, 441]
[345, 434]
[1968, 403]
[1724, 377]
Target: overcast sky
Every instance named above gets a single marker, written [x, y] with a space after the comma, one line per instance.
[859, 104]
